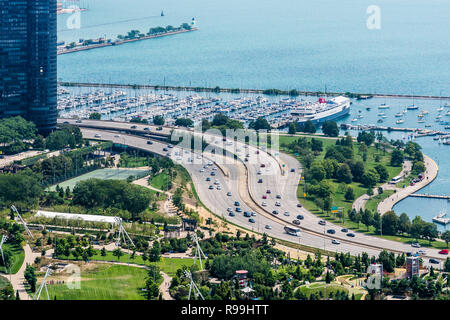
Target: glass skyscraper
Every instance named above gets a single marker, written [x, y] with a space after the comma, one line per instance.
[28, 61]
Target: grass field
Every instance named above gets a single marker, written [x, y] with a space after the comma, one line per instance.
[104, 282]
[167, 265]
[160, 181]
[17, 258]
[105, 174]
[326, 289]
[372, 203]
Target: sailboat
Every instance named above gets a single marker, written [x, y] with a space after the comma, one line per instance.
[413, 106]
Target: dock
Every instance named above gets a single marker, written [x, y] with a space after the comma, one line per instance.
[430, 196]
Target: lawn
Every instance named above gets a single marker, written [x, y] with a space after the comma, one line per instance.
[372, 203]
[160, 181]
[104, 282]
[17, 258]
[104, 174]
[324, 288]
[167, 265]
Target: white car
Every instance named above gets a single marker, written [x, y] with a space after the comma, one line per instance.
[229, 193]
[334, 241]
[202, 170]
[98, 136]
[277, 204]
[264, 204]
[268, 226]
[219, 187]
[117, 136]
[286, 214]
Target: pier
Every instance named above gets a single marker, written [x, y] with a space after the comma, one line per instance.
[239, 90]
[109, 43]
[430, 196]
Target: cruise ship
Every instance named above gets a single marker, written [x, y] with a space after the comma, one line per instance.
[322, 110]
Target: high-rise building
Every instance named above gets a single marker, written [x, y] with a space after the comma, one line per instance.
[412, 266]
[28, 61]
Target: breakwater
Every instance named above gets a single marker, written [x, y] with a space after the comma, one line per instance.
[272, 92]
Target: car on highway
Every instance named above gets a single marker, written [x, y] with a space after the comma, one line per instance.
[146, 129]
[415, 245]
[247, 214]
[202, 170]
[219, 187]
[165, 149]
[98, 136]
[251, 220]
[268, 227]
[296, 221]
[268, 191]
[170, 146]
[260, 180]
[236, 203]
[149, 142]
[277, 204]
[351, 235]
[211, 187]
[216, 182]
[231, 214]
[286, 213]
[264, 197]
[421, 252]
[299, 205]
[322, 222]
[344, 230]
[238, 209]
[229, 193]
[246, 159]
[264, 204]
[433, 261]
[253, 214]
[259, 172]
[213, 173]
[334, 241]
[275, 212]
[263, 165]
[208, 179]
[117, 136]
[278, 196]
[79, 121]
[443, 251]
[229, 209]
[331, 231]
[292, 170]
[300, 217]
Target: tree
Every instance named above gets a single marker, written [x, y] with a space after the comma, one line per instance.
[95, 116]
[349, 194]
[397, 158]
[103, 252]
[184, 122]
[330, 128]
[316, 145]
[117, 253]
[30, 277]
[382, 172]
[259, 124]
[367, 218]
[155, 252]
[292, 128]
[390, 222]
[317, 172]
[343, 174]
[418, 167]
[370, 178]
[404, 224]
[309, 127]
[446, 236]
[158, 120]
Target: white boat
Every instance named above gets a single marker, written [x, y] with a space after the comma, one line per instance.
[383, 106]
[399, 114]
[400, 121]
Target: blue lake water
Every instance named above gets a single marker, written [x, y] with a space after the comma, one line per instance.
[265, 43]
[285, 44]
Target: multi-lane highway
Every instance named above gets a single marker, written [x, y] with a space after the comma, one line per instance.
[248, 182]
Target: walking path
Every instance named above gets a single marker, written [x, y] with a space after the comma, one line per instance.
[164, 287]
[360, 203]
[18, 279]
[429, 175]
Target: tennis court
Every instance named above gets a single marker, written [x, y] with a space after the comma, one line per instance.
[104, 174]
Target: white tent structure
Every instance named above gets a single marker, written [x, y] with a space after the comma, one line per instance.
[74, 216]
